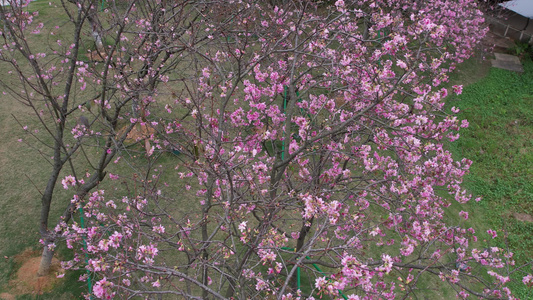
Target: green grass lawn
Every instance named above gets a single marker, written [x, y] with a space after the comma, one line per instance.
[499, 141]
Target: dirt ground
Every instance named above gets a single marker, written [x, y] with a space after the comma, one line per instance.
[26, 280]
[523, 217]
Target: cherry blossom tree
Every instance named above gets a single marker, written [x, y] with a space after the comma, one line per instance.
[306, 140]
[75, 100]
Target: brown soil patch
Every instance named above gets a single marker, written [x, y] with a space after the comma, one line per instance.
[137, 133]
[523, 217]
[7, 296]
[26, 280]
[95, 55]
[524, 150]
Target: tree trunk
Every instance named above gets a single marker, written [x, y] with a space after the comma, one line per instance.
[97, 36]
[299, 245]
[46, 261]
[96, 27]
